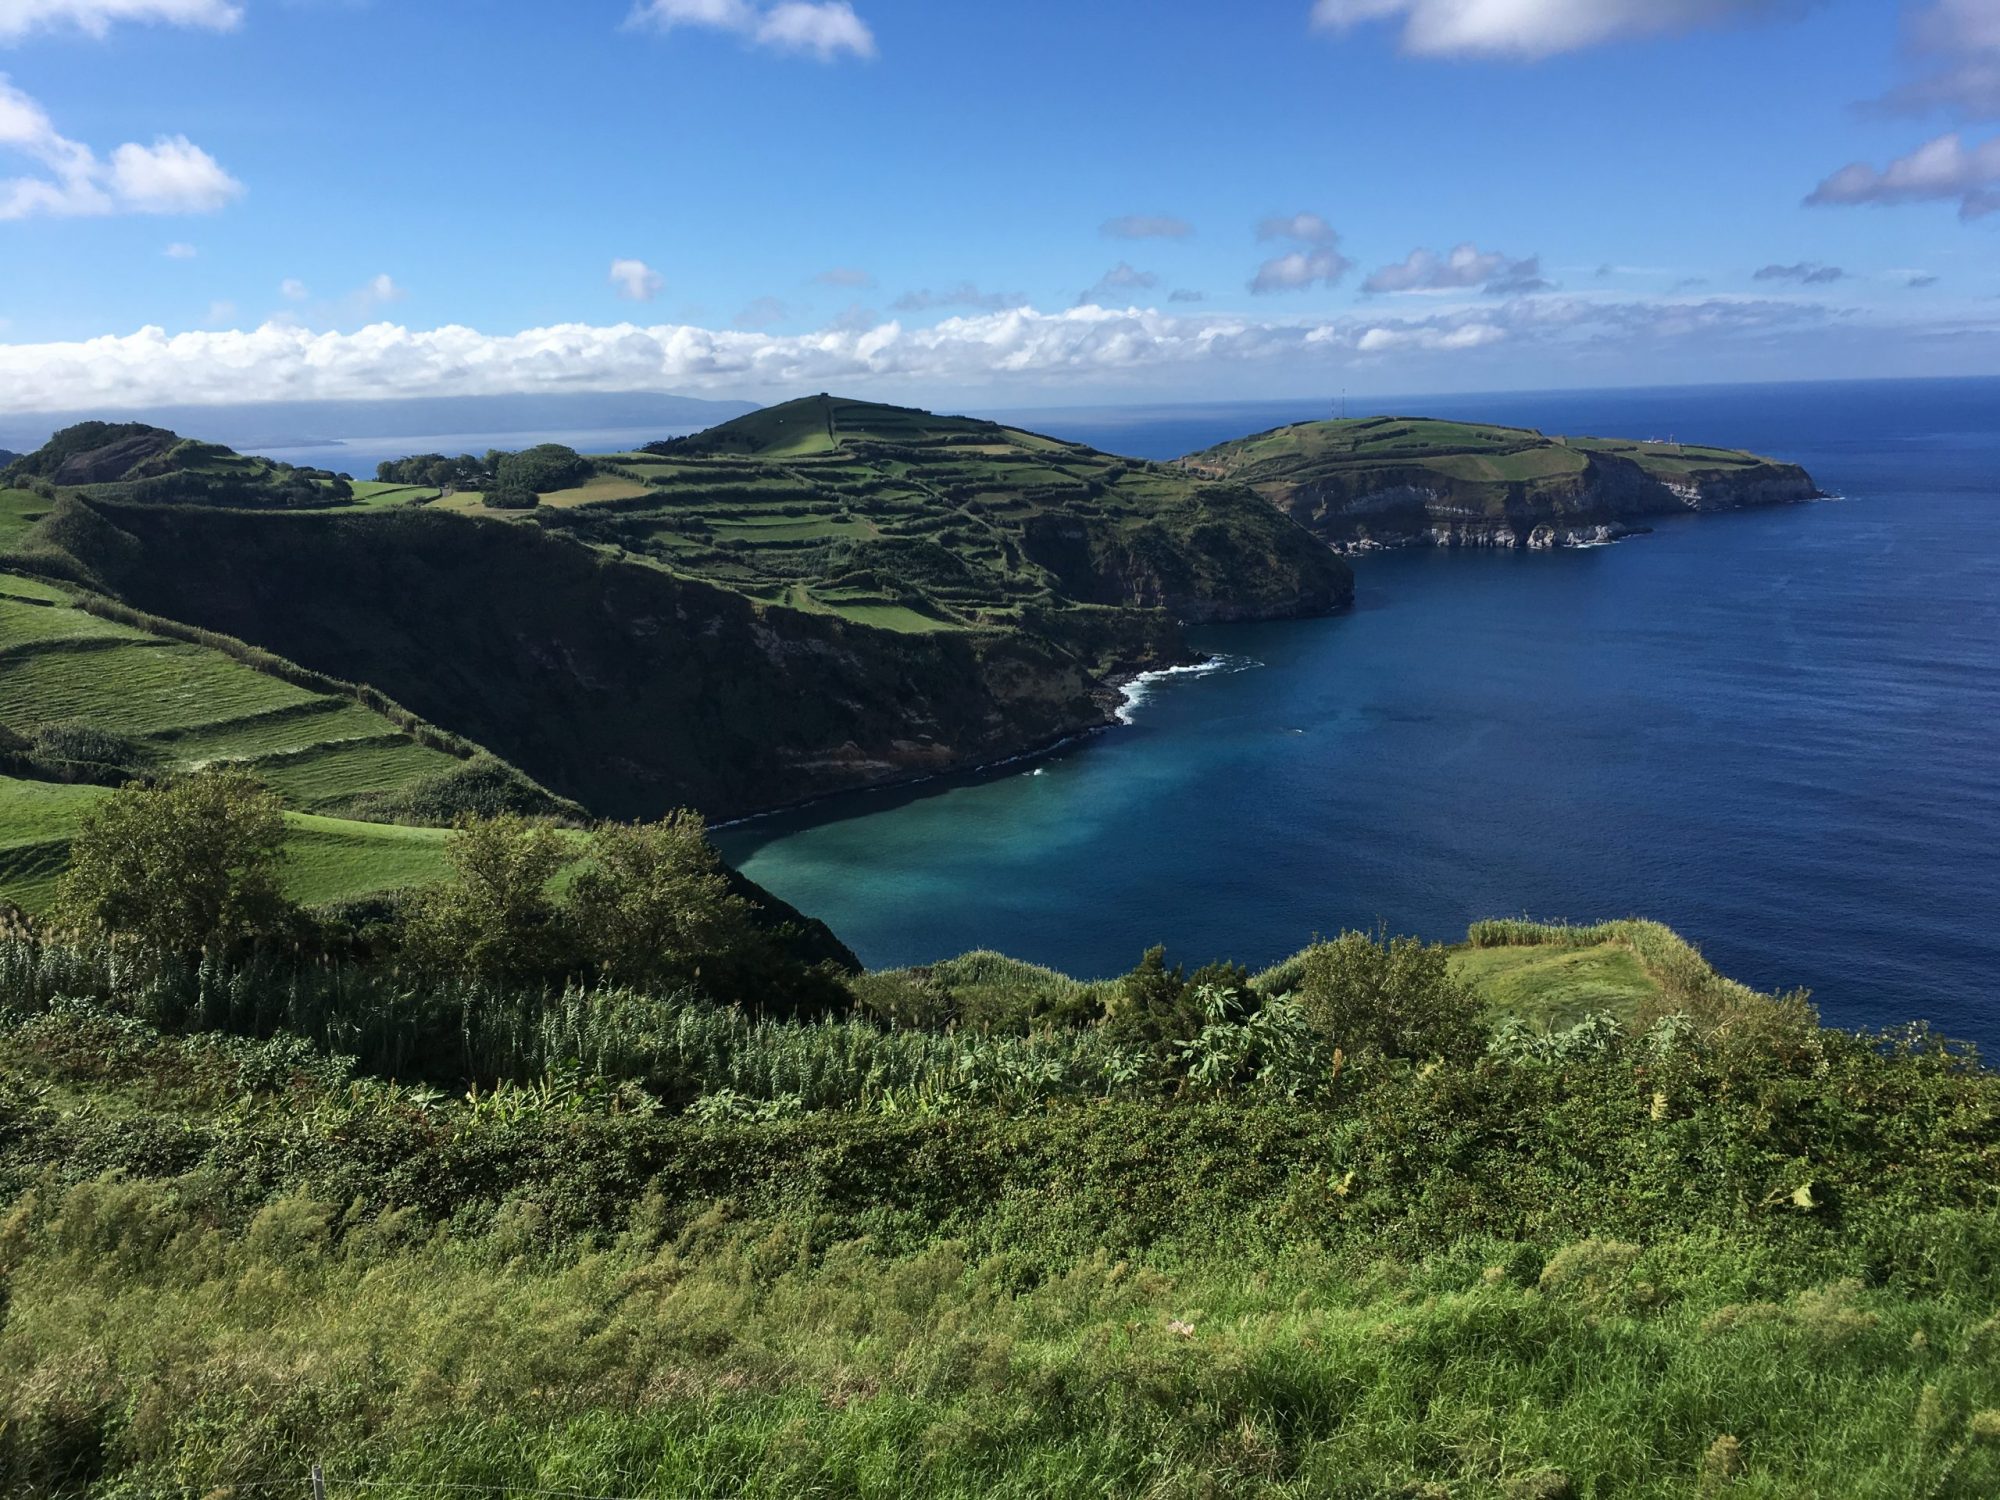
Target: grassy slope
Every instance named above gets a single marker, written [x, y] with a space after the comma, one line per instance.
[619, 684]
[994, 577]
[326, 859]
[1557, 986]
[19, 510]
[152, 462]
[182, 706]
[187, 705]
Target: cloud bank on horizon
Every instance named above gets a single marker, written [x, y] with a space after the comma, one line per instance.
[1020, 349]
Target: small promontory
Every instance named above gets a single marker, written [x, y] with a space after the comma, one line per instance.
[1403, 481]
[133, 461]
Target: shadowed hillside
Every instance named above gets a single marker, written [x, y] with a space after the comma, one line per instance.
[613, 682]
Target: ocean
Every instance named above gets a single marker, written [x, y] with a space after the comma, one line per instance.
[1777, 730]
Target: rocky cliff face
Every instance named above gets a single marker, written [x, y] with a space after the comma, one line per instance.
[1235, 565]
[1610, 498]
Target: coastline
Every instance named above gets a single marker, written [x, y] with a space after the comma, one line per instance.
[1123, 693]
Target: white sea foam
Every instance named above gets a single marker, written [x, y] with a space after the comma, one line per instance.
[1140, 688]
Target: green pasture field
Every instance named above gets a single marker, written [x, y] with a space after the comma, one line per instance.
[326, 859]
[373, 494]
[1557, 986]
[1465, 451]
[598, 488]
[19, 510]
[892, 518]
[182, 705]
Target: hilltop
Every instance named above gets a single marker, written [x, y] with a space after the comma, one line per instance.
[1387, 481]
[901, 517]
[134, 461]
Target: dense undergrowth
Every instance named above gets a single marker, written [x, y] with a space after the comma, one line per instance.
[444, 1237]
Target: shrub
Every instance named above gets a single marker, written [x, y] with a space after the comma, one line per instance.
[653, 907]
[75, 741]
[494, 916]
[178, 870]
[1390, 997]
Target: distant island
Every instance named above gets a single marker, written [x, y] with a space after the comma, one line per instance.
[1402, 481]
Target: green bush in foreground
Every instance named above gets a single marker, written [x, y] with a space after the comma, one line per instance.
[179, 871]
[1312, 1232]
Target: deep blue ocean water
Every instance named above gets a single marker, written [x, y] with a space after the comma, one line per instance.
[1778, 731]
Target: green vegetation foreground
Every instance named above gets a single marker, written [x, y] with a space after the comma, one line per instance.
[432, 1220]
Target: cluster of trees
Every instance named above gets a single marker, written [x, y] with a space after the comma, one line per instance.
[435, 469]
[506, 481]
[191, 869]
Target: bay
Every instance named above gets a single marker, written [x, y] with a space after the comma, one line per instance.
[1778, 731]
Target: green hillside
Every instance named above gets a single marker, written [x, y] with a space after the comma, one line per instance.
[1402, 478]
[88, 700]
[994, 1234]
[706, 625]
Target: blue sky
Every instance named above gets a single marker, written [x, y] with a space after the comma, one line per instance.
[1037, 203]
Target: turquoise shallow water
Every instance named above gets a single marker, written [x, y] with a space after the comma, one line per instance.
[1776, 730]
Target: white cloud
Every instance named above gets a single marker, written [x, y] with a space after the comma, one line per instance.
[1318, 263]
[965, 294]
[1300, 270]
[1466, 268]
[825, 29]
[1805, 272]
[1310, 228]
[1465, 336]
[1937, 171]
[379, 291]
[1120, 278]
[180, 250]
[1532, 28]
[18, 18]
[1146, 227]
[1956, 44]
[171, 176]
[636, 281]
